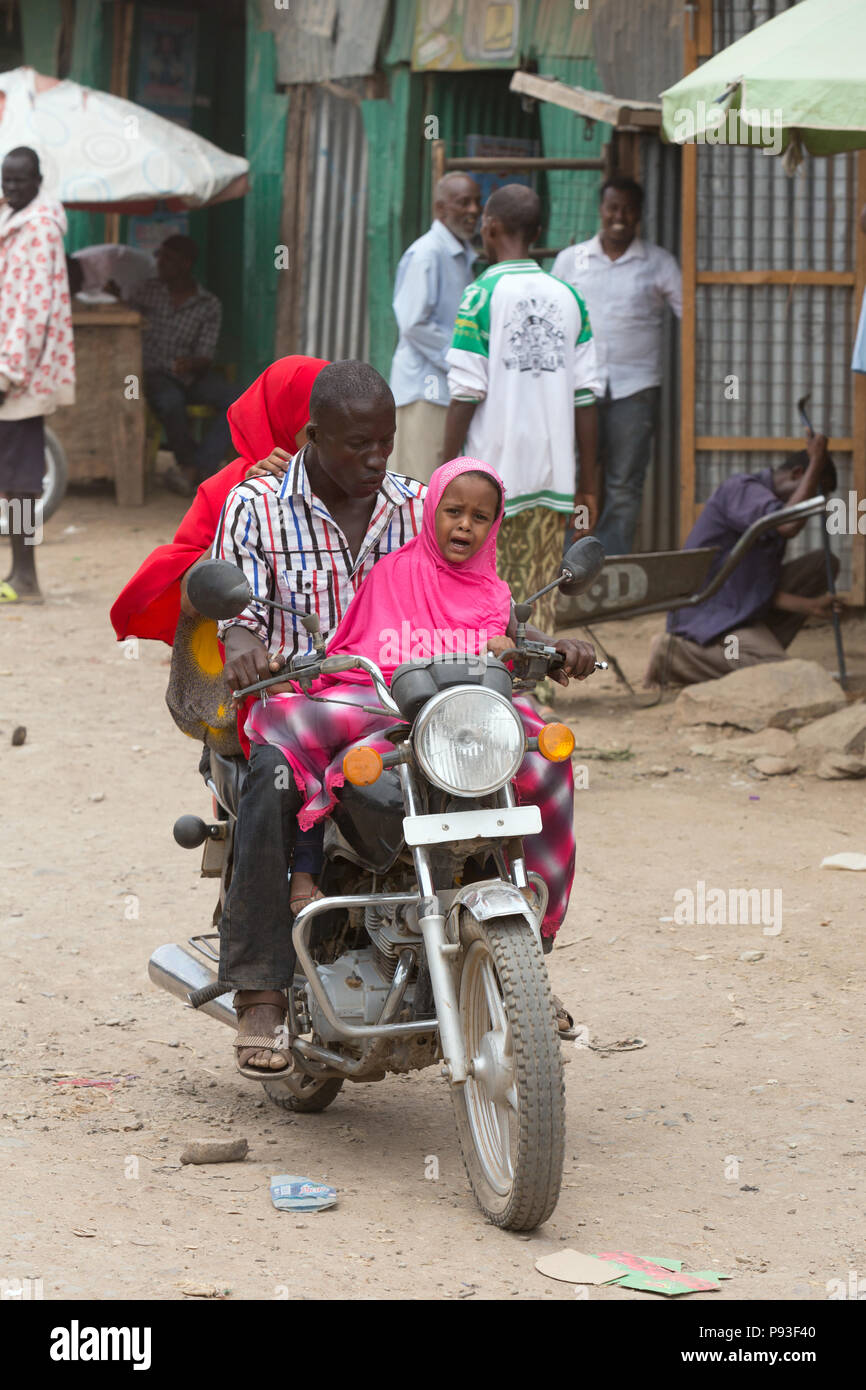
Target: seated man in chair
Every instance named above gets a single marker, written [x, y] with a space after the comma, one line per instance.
[180, 338]
[761, 607]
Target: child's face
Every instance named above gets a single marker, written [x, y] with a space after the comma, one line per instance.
[464, 517]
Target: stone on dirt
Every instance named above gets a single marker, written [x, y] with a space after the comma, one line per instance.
[842, 732]
[777, 694]
[834, 767]
[775, 767]
[767, 743]
[215, 1151]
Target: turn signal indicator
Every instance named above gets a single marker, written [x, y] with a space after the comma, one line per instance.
[556, 742]
[363, 766]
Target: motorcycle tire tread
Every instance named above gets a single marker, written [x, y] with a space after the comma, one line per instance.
[523, 975]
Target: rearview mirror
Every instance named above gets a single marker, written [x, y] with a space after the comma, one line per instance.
[581, 565]
[218, 589]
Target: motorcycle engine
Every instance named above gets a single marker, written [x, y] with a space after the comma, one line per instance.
[389, 938]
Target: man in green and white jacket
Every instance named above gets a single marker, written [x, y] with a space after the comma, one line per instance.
[522, 377]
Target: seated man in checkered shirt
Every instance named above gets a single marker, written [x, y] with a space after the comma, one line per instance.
[179, 341]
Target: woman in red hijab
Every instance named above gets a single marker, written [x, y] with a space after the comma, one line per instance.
[271, 414]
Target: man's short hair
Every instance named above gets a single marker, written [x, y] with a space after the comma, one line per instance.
[341, 383]
[25, 152]
[620, 183]
[800, 459]
[517, 207]
[182, 246]
[444, 184]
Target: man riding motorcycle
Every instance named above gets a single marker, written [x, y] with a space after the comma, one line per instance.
[308, 541]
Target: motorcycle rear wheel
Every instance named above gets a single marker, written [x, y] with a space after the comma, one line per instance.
[511, 1112]
[302, 1094]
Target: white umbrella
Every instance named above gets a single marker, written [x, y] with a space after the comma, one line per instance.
[101, 153]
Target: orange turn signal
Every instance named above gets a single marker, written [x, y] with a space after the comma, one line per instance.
[556, 742]
[363, 766]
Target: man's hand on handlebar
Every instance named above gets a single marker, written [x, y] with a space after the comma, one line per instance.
[578, 661]
[247, 659]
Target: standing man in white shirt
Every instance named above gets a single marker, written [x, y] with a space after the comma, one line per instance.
[626, 282]
[431, 278]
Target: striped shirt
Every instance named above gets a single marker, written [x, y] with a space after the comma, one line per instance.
[292, 550]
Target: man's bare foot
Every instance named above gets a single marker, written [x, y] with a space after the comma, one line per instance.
[262, 1014]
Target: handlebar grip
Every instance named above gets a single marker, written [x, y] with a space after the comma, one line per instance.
[333, 664]
[556, 662]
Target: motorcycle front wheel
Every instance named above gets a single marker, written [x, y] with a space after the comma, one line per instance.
[511, 1111]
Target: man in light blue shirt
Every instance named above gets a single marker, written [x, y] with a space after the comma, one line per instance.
[858, 361]
[431, 278]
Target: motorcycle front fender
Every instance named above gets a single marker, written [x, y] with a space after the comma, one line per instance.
[489, 898]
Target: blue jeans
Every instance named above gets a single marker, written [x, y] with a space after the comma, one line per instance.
[625, 433]
[168, 398]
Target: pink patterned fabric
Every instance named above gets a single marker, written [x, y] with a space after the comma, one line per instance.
[460, 602]
[37, 357]
[314, 737]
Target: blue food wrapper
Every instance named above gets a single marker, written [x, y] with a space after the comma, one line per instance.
[292, 1193]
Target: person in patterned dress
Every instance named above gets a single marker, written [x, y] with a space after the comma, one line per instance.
[37, 357]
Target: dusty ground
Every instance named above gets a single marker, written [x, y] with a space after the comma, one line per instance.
[734, 1139]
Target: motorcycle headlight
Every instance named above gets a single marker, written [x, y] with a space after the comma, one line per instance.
[469, 741]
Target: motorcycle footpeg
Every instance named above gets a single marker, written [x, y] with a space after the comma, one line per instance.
[197, 997]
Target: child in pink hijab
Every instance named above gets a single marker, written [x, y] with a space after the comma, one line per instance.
[438, 593]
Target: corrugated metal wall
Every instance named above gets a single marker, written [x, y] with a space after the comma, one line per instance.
[335, 322]
[777, 341]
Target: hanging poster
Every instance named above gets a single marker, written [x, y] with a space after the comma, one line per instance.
[453, 35]
[167, 63]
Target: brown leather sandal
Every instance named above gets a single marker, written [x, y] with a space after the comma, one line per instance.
[277, 1042]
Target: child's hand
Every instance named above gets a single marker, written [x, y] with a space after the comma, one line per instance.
[497, 645]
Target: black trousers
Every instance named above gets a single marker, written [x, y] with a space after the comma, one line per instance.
[256, 949]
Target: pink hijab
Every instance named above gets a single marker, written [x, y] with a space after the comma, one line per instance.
[415, 593]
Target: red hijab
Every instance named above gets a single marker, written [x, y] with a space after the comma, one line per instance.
[269, 414]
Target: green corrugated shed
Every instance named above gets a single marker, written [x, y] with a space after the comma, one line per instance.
[572, 196]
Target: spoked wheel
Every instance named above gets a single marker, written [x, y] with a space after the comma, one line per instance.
[303, 1094]
[511, 1112]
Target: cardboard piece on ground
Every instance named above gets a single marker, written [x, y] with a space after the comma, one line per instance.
[575, 1268]
[290, 1192]
[639, 1273]
[846, 860]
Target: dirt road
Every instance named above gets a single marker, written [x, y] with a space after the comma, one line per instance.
[733, 1140]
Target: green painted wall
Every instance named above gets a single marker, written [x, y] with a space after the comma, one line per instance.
[394, 133]
[41, 22]
[265, 135]
[90, 64]
[572, 196]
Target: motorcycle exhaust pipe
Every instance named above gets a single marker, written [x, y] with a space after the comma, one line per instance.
[179, 972]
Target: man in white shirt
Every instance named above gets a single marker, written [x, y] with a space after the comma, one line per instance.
[431, 278]
[627, 283]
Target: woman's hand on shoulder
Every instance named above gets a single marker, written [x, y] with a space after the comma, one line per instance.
[276, 465]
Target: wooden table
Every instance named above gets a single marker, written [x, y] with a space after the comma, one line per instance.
[103, 433]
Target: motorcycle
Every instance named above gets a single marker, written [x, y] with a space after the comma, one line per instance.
[426, 946]
[55, 481]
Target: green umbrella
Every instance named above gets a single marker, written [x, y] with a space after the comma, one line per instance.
[797, 82]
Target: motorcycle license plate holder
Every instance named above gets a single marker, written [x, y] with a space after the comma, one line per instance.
[497, 823]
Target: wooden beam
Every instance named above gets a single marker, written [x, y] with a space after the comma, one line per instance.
[517, 163]
[688, 337]
[596, 106]
[728, 444]
[858, 426]
[775, 277]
